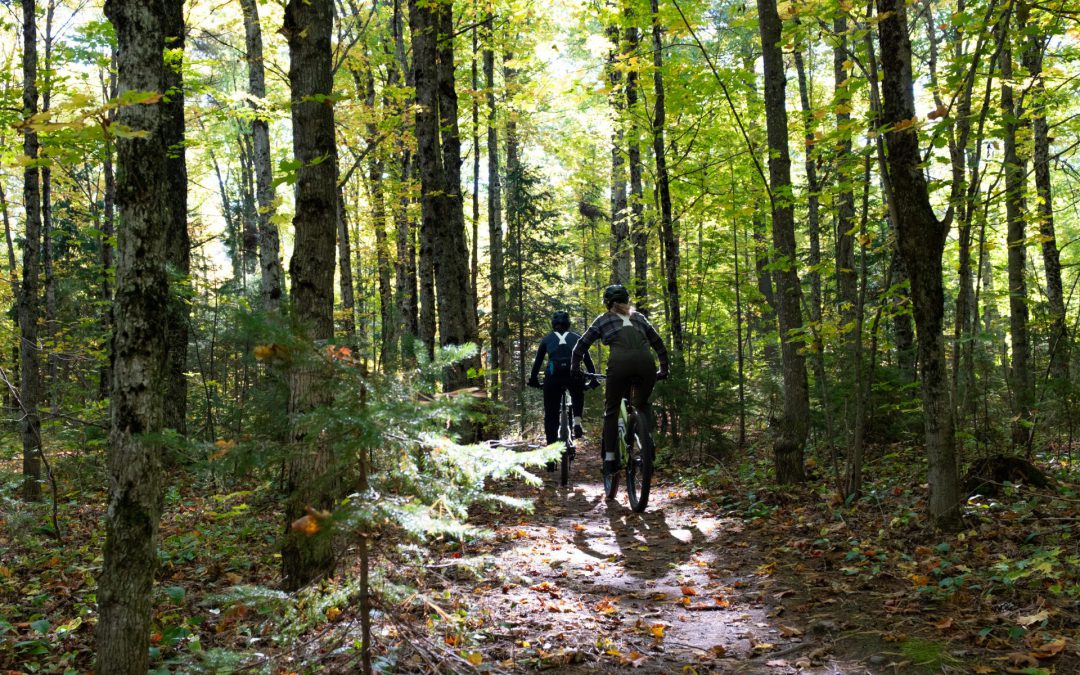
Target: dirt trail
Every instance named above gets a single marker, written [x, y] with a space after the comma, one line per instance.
[587, 585]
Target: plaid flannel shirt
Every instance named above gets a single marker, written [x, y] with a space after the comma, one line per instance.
[604, 328]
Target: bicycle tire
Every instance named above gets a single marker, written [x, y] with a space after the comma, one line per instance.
[639, 466]
[566, 436]
[611, 479]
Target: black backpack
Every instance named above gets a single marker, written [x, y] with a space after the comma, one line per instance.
[561, 355]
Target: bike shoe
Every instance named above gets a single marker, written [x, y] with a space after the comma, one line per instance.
[578, 431]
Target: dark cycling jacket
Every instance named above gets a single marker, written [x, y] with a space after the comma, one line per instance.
[607, 326]
[549, 345]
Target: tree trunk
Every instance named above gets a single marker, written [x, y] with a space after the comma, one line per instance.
[669, 238]
[49, 391]
[499, 326]
[620, 231]
[1059, 335]
[813, 222]
[846, 281]
[788, 447]
[454, 297]
[29, 303]
[639, 234]
[272, 283]
[1015, 177]
[142, 368]
[387, 332]
[108, 222]
[921, 240]
[474, 243]
[308, 27]
[405, 273]
[345, 268]
[178, 242]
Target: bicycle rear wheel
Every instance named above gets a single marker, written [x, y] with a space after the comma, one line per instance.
[611, 459]
[567, 438]
[639, 465]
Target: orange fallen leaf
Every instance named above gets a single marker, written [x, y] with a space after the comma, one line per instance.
[788, 631]
[1050, 649]
[332, 613]
[688, 590]
[578, 527]
[944, 624]
[1019, 660]
[657, 631]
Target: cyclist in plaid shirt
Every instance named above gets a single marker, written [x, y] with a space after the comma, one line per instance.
[631, 369]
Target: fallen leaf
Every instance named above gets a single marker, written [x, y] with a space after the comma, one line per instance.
[305, 525]
[578, 527]
[944, 624]
[788, 631]
[1050, 649]
[657, 631]
[777, 663]
[474, 658]
[1019, 660]
[688, 590]
[1029, 619]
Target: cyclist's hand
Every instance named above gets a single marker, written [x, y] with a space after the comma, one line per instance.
[534, 383]
[591, 382]
[661, 375]
[577, 376]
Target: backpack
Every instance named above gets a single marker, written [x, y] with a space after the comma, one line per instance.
[560, 357]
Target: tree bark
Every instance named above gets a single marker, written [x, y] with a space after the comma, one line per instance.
[454, 297]
[387, 333]
[345, 267]
[1059, 334]
[178, 241]
[140, 347]
[29, 302]
[921, 241]
[271, 284]
[1015, 206]
[308, 27]
[639, 234]
[846, 281]
[788, 447]
[500, 331]
[813, 219]
[408, 300]
[669, 237]
[620, 231]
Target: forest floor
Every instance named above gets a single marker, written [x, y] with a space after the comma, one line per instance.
[721, 574]
[703, 583]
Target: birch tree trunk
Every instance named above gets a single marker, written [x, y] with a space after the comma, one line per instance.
[140, 347]
[499, 327]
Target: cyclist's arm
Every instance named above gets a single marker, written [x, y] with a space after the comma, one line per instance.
[541, 351]
[581, 349]
[656, 342]
[589, 367]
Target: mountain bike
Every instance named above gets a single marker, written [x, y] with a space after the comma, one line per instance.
[635, 453]
[566, 436]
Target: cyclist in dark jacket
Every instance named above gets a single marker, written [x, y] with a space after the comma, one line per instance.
[558, 346]
[630, 366]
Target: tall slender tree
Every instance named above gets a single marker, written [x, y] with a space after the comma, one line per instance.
[308, 26]
[29, 303]
[178, 243]
[499, 329]
[788, 447]
[141, 365]
[921, 242]
[271, 283]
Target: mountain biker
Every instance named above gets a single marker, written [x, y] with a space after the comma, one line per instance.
[558, 345]
[630, 365]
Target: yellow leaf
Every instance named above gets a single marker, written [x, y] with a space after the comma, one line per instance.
[305, 525]
[657, 631]
[474, 658]
[1050, 649]
[333, 613]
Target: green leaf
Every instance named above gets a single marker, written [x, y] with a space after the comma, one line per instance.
[41, 626]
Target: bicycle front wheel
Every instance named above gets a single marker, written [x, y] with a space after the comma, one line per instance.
[639, 465]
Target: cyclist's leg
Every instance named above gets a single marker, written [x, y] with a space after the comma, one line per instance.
[553, 389]
[577, 400]
[619, 376]
[645, 380]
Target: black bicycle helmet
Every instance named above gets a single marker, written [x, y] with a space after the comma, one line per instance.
[616, 293]
[560, 319]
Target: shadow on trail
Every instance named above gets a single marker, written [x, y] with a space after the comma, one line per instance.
[646, 541]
